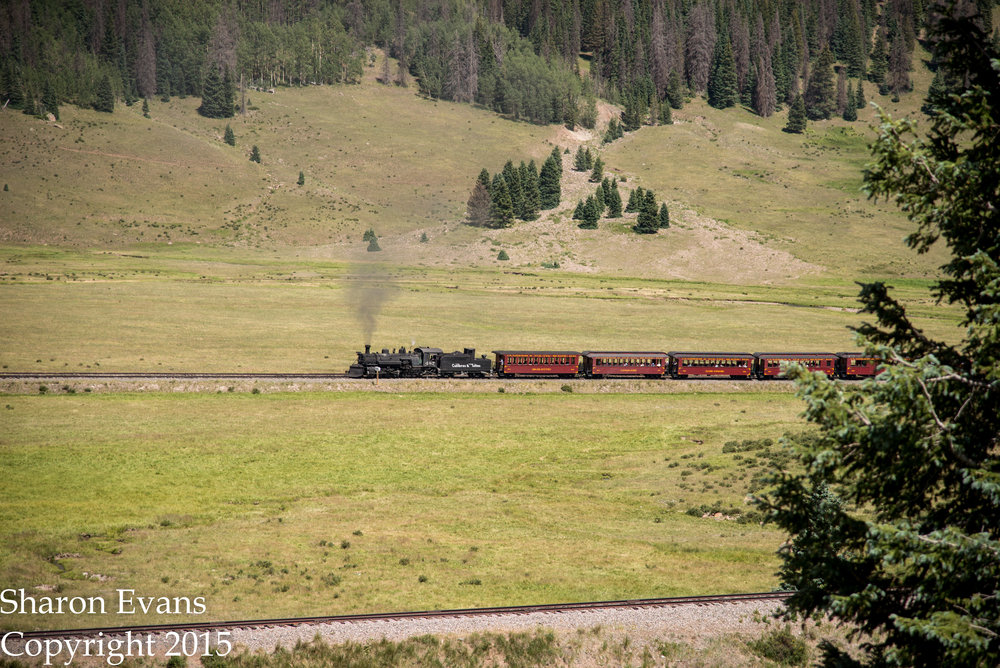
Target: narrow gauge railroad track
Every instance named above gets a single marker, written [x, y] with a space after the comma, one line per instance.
[166, 375]
[422, 614]
[139, 375]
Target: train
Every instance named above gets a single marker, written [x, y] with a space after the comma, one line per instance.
[426, 362]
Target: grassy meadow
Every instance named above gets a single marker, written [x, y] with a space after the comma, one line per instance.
[289, 504]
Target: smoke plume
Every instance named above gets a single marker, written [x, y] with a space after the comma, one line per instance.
[370, 288]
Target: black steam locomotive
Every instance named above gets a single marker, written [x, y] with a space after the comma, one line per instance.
[418, 363]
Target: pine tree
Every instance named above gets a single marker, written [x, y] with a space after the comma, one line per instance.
[851, 108]
[557, 161]
[213, 96]
[666, 115]
[598, 173]
[796, 117]
[513, 180]
[664, 216]
[614, 201]
[49, 101]
[635, 200]
[105, 100]
[935, 94]
[479, 205]
[820, 97]
[373, 246]
[228, 136]
[590, 214]
[255, 154]
[723, 91]
[302, 179]
[675, 94]
[580, 161]
[549, 188]
[578, 211]
[599, 199]
[532, 192]
[502, 207]
[648, 221]
[484, 178]
[859, 96]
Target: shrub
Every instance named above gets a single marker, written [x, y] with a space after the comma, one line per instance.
[503, 255]
[782, 647]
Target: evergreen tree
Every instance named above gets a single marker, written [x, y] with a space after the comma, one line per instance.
[255, 154]
[373, 246]
[549, 188]
[614, 201]
[666, 115]
[578, 211]
[648, 221]
[512, 177]
[484, 178]
[302, 178]
[796, 116]
[213, 96]
[820, 98]
[105, 100]
[580, 161]
[851, 108]
[859, 96]
[590, 214]
[228, 136]
[664, 216]
[635, 200]
[599, 200]
[723, 91]
[145, 108]
[532, 192]
[479, 205]
[502, 207]
[675, 94]
[557, 161]
[49, 103]
[935, 94]
[912, 556]
[598, 173]
[878, 63]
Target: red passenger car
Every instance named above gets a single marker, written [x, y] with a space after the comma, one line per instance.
[601, 364]
[768, 365]
[717, 365]
[543, 363]
[856, 365]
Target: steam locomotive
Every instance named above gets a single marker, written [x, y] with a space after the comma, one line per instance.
[419, 363]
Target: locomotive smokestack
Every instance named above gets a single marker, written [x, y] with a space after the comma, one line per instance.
[368, 349]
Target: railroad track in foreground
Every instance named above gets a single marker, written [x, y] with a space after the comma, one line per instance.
[422, 614]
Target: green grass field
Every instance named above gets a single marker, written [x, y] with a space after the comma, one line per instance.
[289, 504]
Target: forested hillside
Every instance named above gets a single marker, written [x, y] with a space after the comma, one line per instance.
[525, 58]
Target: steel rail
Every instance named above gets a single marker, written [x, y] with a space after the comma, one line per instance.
[421, 614]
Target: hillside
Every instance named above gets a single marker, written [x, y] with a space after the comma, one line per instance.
[758, 206]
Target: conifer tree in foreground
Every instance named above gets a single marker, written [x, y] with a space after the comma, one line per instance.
[893, 506]
[228, 136]
[597, 174]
